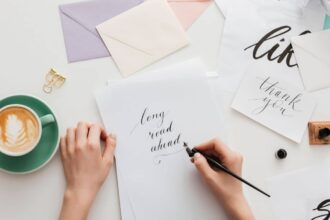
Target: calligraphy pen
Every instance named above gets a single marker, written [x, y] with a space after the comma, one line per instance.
[216, 165]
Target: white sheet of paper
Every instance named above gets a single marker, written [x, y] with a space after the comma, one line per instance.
[161, 182]
[261, 31]
[126, 205]
[274, 103]
[312, 52]
[320, 207]
[296, 194]
[225, 4]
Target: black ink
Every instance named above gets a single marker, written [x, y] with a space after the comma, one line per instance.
[161, 131]
[286, 54]
[153, 116]
[281, 154]
[324, 133]
[295, 100]
[267, 102]
[163, 145]
[147, 117]
[158, 158]
[276, 98]
[325, 211]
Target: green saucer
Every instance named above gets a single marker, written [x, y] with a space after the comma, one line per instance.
[47, 146]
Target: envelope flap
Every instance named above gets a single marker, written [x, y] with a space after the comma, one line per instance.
[151, 27]
[317, 44]
[91, 13]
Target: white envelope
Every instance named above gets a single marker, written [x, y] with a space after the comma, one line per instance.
[142, 35]
[312, 53]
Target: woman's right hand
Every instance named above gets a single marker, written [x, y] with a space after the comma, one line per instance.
[227, 189]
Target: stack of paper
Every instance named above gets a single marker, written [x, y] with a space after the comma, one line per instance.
[153, 115]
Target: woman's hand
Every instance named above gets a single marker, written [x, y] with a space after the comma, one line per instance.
[228, 189]
[86, 167]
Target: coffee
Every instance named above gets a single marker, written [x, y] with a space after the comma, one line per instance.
[19, 130]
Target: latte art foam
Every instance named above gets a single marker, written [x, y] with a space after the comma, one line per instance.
[19, 130]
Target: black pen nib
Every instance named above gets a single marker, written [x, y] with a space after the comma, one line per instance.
[188, 150]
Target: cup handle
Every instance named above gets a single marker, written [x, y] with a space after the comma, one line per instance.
[47, 119]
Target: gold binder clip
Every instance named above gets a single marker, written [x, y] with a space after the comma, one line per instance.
[53, 79]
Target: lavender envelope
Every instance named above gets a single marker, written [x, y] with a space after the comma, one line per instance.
[79, 20]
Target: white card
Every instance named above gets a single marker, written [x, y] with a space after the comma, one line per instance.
[260, 31]
[302, 194]
[313, 56]
[152, 117]
[274, 103]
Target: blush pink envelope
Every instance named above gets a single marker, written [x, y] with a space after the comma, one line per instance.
[188, 11]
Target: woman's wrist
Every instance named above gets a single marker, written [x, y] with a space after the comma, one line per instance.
[75, 200]
[238, 208]
[83, 199]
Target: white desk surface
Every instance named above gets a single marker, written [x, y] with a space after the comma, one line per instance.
[31, 42]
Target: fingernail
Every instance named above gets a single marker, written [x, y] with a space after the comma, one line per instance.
[197, 155]
[113, 136]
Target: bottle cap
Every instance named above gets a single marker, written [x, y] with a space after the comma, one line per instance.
[324, 133]
[281, 154]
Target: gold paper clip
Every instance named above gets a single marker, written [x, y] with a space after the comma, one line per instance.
[53, 79]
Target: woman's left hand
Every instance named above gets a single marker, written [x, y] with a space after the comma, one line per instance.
[85, 165]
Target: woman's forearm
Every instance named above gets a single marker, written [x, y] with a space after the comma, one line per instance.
[239, 209]
[75, 207]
